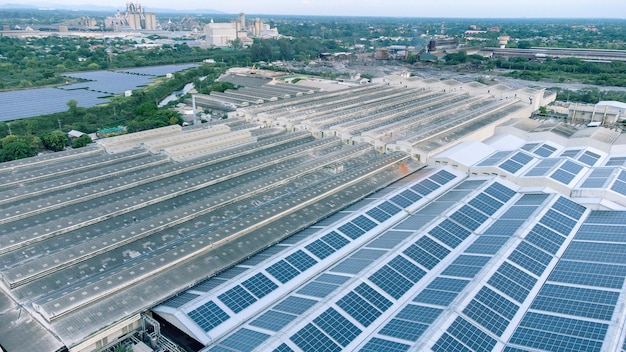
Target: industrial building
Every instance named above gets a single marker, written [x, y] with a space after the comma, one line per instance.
[407, 215]
[224, 34]
[135, 17]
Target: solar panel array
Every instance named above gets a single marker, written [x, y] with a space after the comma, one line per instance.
[34, 102]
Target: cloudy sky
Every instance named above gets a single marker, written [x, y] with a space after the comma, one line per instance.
[403, 8]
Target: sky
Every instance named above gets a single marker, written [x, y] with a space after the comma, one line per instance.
[394, 8]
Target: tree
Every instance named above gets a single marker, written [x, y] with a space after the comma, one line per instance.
[81, 141]
[72, 106]
[55, 140]
[14, 147]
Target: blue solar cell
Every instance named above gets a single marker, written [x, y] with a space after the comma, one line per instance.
[382, 345]
[391, 282]
[571, 167]
[465, 221]
[562, 176]
[373, 296]
[301, 260]
[410, 195]
[364, 223]
[472, 336]
[294, 305]
[511, 166]
[180, 300]
[485, 203]
[473, 213]
[619, 187]
[317, 289]
[244, 340]
[335, 240]
[429, 184]
[570, 153]
[521, 158]
[587, 279]
[432, 247]
[547, 341]
[436, 297]
[589, 158]
[508, 287]
[208, 315]
[520, 212]
[273, 320]
[486, 317]
[494, 158]
[462, 270]
[448, 284]
[401, 201]
[518, 276]
[310, 338]
[406, 268]
[544, 151]
[532, 199]
[260, 285]
[569, 208]
[497, 302]
[542, 243]
[402, 329]
[527, 263]
[320, 249]
[351, 230]
[487, 245]
[337, 326]
[359, 308]
[529, 146]
[580, 294]
[283, 348]
[237, 299]
[561, 325]
[282, 271]
[422, 257]
[377, 214]
[453, 228]
[503, 227]
[389, 208]
[447, 343]
[444, 236]
[564, 220]
[500, 192]
[419, 314]
[442, 177]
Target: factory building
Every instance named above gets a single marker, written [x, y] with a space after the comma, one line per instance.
[406, 215]
[224, 34]
[135, 17]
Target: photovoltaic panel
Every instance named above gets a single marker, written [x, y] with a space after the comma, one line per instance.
[351, 230]
[294, 305]
[391, 282]
[432, 247]
[448, 284]
[260, 285]
[357, 307]
[435, 297]
[273, 320]
[283, 348]
[532, 199]
[421, 256]
[406, 268]
[317, 289]
[401, 201]
[511, 166]
[301, 260]
[373, 296]
[589, 158]
[465, 221]
[332, 279]
[495, 158]
[442, 177]
[508, 287]
[473, 213]
[410, 195]
[500, 192]
[522, 158]
[282, 271]
[364, 223]
[486, 317]
[389, 239]
[180, 300]
[519, 212]
[571, 153]
[337, 326]
[244, 340]
[497, 302]
[237, 299]
[562, 176]
[381, 345]
[377, 214]
[616, 161]
[445, 237]
[402, 329]
[320, 249]
[335, 240]
[311, 338]
[543, 167]
[569, 208]
[487, 245]
[472, 336]
[545, 150]
[503, 227]
[529, 146]
[485, 203]
[447, 343]
[389, 208]
[208, 315]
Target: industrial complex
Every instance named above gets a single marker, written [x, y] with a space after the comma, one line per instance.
[403, 215]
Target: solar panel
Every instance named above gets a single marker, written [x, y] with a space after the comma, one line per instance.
[545, 150]
[442, 177]
[487, 245]
[337, 326]
[406, 268]
[542, 167]
[486, 317]
[391, 282]
[511, 166]
[381, 345]
[377, 214]
[301, 260]
[472, 336]
[589, 158]
[403, 329]
[320, 249]
[237, 299]
[571, 153]
[244, 340]
[335, 240]
[180, 300]
[358, 308]
[273, 320]
[260, 285]
[562, 176]
[208, 316]
[364, 223]
[283, 348]
[421, 257]
[317, 289]
[529, 146]
[282, 271]
[401, 201]
[310, 338]
[351, 230]
[500, 192]
[495, 158]
[294, 305]
[389, 239]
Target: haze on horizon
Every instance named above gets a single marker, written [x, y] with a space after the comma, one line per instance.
[393, 8]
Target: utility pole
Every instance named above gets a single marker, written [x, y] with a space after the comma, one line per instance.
[59, 121]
